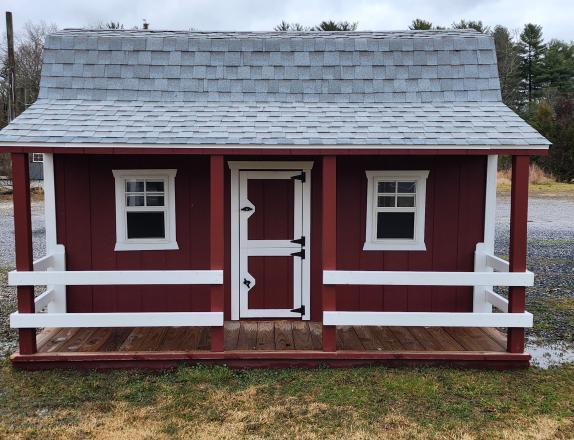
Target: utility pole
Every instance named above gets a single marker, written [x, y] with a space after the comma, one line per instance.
[11, 68]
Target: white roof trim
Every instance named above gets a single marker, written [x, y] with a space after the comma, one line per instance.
[276, 146]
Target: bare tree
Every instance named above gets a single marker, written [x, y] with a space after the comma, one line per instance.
[29, 47]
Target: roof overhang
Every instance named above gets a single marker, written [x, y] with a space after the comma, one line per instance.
[242, 149]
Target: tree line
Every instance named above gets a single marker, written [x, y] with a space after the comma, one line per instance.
[536, 77]
[536, 81]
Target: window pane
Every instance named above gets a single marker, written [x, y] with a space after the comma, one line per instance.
[135, 200]
[386, 187]
[154, 186]
[396, 225]
[154, 200]
[134, 185]
[146, 225]
[405, 201]
[407, 187]
[386, 201]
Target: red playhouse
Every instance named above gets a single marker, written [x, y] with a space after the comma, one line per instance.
[270, 199]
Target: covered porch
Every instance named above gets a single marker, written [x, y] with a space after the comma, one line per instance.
[342, 337]
[270, 343]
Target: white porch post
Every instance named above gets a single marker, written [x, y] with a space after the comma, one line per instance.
[480, 305]
[58, 304]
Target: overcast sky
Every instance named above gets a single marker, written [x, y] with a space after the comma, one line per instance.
[556, 16]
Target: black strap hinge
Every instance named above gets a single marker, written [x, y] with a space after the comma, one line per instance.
[300, 177]
[299, 310]
[301, 254]
[300, 241]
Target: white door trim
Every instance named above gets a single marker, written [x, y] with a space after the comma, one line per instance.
[236, 167]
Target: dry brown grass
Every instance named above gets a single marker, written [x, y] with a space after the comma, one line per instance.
[536, 176]
[540, 183]
[216, 403]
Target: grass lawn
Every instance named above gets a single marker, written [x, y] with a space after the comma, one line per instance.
[215, 402]
[556, 189]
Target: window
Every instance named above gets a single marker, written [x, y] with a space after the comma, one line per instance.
[37, 157]
[145, 209]
[395, 210]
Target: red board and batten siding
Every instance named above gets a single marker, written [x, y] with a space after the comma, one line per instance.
[453, 225]
[86, 226]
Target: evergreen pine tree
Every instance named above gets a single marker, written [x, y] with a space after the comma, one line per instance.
[532, 52]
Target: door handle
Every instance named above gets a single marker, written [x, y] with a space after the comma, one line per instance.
[247, 209]
[247, 283]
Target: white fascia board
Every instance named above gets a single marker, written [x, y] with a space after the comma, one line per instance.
[429, 319]
[145, 319]
[115, 277]
[275, 147]
[413, 278]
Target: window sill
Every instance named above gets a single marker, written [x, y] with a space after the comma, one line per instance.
[146, 246]
[394, 247]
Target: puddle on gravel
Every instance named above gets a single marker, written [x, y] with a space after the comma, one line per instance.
[549, 355]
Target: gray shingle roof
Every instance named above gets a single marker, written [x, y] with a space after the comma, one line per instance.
[410, 66]
[271, 88]
[273, 123]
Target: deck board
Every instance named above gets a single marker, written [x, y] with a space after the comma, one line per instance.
[407, 339]
[272, 336]
[284, 335]
[265, 335]
[316, 330]
[247, 336]
[302, 336]
[231, 335]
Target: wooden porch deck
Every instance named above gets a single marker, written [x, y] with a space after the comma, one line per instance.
[267, 343]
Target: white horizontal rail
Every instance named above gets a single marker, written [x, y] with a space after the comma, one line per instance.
[428, 319]
[411, 278]
[115, 277]
[42, 300]
[44, 263]
[498, 264]
[147, 319]
[496, 300]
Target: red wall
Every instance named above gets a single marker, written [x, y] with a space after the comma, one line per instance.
[453, 225]
[85, 205]
[86, 226]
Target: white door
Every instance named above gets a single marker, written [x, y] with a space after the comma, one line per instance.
[273, 214]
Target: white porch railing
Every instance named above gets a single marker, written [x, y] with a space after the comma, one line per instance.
[494, 273]
[50, 271]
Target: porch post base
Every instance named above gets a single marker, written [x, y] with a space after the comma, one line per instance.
[515, 340]
[27, 341]
[329, 338]
[217, 339]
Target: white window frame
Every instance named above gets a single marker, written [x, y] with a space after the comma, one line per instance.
[145, 244]
[34, 157]
[372, 243]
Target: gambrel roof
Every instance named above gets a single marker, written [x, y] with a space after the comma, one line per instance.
[415, 88]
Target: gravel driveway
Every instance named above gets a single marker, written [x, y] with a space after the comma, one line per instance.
[7, 232]
[550, 250]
